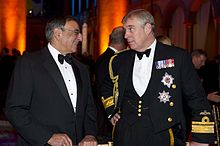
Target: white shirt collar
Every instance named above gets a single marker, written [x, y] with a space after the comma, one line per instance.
[142, 70]
[54, 52]
[152, 46]
[113, 49]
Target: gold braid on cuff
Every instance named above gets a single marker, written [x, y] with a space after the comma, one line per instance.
[205, 126]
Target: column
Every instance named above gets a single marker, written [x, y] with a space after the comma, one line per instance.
[189, 35]
[73, 7]
[217, 28]
[107, 20]
[13, 24]
[67, 9]
[87, 4]
[79, 7]
[84, 40]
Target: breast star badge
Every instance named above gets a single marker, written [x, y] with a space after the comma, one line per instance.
[167, 80]
[164, 96]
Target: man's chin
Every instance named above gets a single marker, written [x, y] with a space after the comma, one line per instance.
[132, 46]
[74, 48]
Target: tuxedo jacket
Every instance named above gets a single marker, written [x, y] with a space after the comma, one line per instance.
[173, 64]
[38, 104]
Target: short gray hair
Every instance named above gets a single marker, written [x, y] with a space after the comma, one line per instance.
[142, 15]
[57, 22]
[117, 35]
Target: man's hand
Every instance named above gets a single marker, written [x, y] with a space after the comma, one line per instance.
[197, 144]
[88, 140]
[214, 97]
[60, 140]
[115, 119]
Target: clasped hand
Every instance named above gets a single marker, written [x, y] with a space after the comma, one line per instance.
[214, 97]
[64, 140]
[115, 119]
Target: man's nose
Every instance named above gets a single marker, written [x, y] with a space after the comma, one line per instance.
[79, 37]
[126, 35]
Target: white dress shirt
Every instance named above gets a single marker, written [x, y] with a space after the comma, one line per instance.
[142, 71]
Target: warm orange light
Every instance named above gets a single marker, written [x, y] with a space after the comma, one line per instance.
[13, 24]
[110, 14]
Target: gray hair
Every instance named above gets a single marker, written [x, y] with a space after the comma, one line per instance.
[117, 35]
[142, 15]
[57, 22]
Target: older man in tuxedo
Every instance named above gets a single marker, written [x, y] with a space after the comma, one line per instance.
[49, 100]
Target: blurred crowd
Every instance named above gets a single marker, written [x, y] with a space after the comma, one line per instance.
[7, 62]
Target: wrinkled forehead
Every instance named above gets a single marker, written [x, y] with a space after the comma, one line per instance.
[72, 24]
[129, 18]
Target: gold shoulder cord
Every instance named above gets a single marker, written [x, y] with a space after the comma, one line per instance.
[115, 88]
[109, 101]
[114, 80]
[122, 51]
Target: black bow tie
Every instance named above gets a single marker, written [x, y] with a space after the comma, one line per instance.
[140, 54]
[67, 58]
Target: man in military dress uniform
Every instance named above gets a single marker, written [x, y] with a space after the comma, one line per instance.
[144, 95]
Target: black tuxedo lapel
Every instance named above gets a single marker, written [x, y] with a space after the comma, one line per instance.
[51, 66]
[126, 66]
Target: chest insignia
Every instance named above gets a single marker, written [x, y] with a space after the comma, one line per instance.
[168, 63]
[167, 80]
[164, 96]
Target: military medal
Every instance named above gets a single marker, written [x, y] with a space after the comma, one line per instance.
[160, 64]
[167, 80]
[168, 63]
[164, 96]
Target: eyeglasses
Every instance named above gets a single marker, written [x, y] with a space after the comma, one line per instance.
[75, 32]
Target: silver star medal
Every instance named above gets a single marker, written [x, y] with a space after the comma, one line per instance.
[167, 80]
[164, 96]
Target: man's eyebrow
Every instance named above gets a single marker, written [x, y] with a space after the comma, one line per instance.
[130, 26]
[77, 30]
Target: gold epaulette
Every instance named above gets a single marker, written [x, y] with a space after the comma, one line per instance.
[203, 126]
[108, 101]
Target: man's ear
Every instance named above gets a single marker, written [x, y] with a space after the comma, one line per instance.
[57, 33]
[147, 28]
